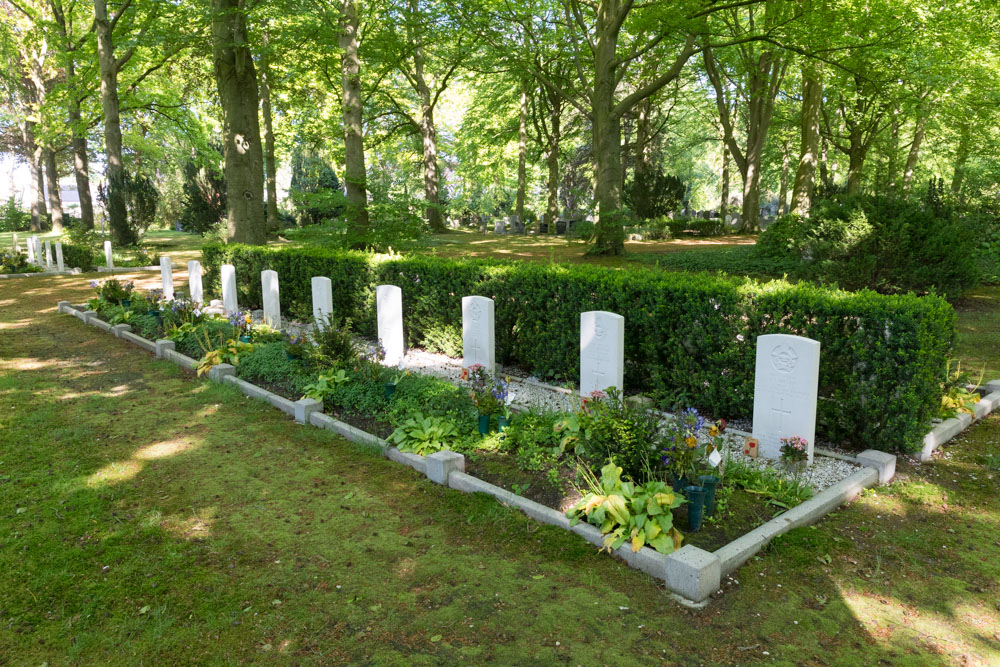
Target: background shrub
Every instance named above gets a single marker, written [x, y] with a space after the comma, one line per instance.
[880, 243]
[77, 256]
[689, 338]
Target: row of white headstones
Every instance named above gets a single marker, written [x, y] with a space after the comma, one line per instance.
[786, 374]
[42, 255]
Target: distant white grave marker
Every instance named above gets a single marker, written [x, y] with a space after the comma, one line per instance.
[48, 255]
[108, 259]
[389, 312]
[167, 278]
[784, 392]
[478, 332]
[602, 351]
[31, 249]
[60, 264]
[272, 303]
[194, 281]
[229, 302]
[322, 288]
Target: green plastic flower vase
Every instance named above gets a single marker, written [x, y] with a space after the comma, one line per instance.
[709, 483]
[503, 423]
[484, 424]
[244, 339]
[696, 506]
[390, 389]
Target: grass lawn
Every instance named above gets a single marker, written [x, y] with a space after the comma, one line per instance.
[148, 517]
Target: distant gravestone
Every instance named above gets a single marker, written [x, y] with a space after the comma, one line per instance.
[478, 332]
[60, 264]
[31, 249]
[48, 255]
[167, 278]
[499, 227]
[322, 289]
[13, 243]
[229, 302]
[272, 301]
[194, 281]
[602, 351]
[517, 225]
[786, 382]
[108, 259]
[389, 313]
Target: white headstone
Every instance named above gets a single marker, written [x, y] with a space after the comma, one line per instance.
[784, 392]
[194, 281]
[60, 264]
[322, 300]
[31, 249]
[229, 302]
[14, 242]
[602, 351]
[389, 312]
[108, 260]
[167, 278]
[48, 254]
[478, 339]
[272, 303]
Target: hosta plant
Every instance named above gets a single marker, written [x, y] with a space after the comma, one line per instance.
[228, 353]
[624, 511]
[424, 435]
[325, 384]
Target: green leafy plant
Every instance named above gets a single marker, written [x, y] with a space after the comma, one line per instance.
[325, 384]
[424, 435]
[956, 397]
[640, 514]
[225, 352]
[334, 342]
[113, 290]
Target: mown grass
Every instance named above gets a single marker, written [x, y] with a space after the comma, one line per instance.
[147, 517]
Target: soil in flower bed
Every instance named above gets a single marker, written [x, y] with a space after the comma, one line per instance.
[364, 422]
[744, 511]
[503, 471]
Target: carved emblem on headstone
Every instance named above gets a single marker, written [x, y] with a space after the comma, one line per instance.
[784, 359]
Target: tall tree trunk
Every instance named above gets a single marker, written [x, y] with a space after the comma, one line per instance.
[640, 202]
[856, 161]
[55, 196]
[893, 156]
[609, 238]
[824, 165]
[34, 151]
[724, 204]
[961, 157]
[81, 165]
[355, 173]
[911, 159]
[121, 233]
[783, 190]
[270, 167]
[552, 161]
[522, 154]
[429, 135]
[237, 83]
[805, 174]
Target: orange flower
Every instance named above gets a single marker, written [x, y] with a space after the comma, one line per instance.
[713, 430]
[692, 442]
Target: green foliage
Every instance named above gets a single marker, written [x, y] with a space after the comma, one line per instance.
[880, 243]
[424, 435]
[956, 396]
[188, 338]
[204, 195]
[624, 511]
[663, 228]
[325, 384]
[141, 197]
[334, 342]
[113, 290]
[653, 193]
[12, 218]
[734, 260]
[532, 437]
[609, 428]
[222, 352]
[268, 364]
[315, 189]
[78, 257]
[689, 338]
[16, 262]
[766, 482]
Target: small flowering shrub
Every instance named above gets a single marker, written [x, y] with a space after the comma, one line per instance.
[640, 514]
[297, 345]
[241, 320]
[794, 449]
[488, 393]
[113, 290]
[15, 262]
[683, 453]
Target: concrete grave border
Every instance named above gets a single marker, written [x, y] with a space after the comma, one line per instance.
[70, 272]
[690, 574]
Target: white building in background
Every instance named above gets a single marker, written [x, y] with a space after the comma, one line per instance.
[15, 181]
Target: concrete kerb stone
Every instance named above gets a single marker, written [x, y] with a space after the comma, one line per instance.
[469, 484]
[737, 552]
[99, 323]
[64, 306]
[135, 339]
[991, 400]
[87, 315]
[939, 435]
[440, 465]
[220, 372]
[992, 386]
[304, 407]
[418, 463]
[883, 462]
[283, 404]
[181, 360]
[250, 390]
[119, 329]
[347, 431]
[162, 346]
[693, 573]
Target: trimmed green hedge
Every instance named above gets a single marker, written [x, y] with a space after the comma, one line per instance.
[689, 338]
[76, 256]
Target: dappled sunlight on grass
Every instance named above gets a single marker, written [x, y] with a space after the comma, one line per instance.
[114, 473]
[20, 324]
[198, 524]
[163, 449]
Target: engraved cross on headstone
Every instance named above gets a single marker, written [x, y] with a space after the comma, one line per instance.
[780, 411]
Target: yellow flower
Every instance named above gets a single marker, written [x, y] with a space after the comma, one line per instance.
[692, 442]
[713, 430]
